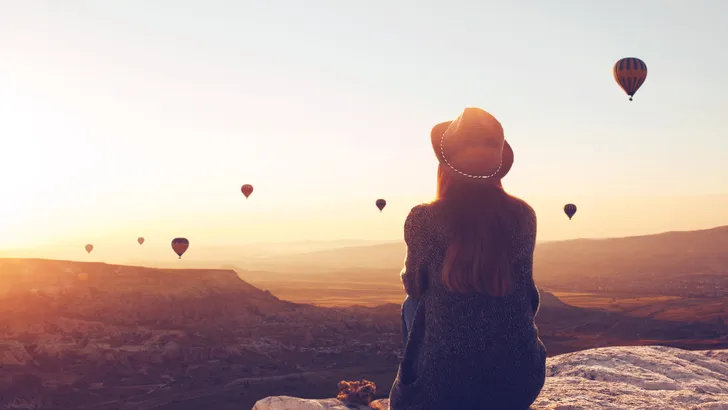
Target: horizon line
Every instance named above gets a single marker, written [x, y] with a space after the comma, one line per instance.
[371, 242]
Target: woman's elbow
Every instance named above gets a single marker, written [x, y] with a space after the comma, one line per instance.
[412, 285]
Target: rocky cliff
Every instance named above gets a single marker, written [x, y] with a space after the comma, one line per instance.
[615, 378]
[94, 335]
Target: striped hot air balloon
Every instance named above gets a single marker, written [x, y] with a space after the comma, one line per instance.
[630, 73]
[180, 245]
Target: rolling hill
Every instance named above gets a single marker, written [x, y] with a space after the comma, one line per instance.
[586, 264]
[670, 253]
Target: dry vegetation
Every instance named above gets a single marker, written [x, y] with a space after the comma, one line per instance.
[356, 392]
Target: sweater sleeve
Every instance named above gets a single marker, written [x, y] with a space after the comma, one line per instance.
[530, 248]
[535, 300]
[414, 273]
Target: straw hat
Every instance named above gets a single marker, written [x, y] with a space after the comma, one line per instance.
[473, 145]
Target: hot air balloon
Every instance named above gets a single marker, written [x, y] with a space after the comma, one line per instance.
[140, 240]
[180, 245]
[569, 210]
[381, 203]
[630, 74]
[246, 189]
[89, 248]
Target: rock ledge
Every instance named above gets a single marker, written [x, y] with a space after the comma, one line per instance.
[614, 378]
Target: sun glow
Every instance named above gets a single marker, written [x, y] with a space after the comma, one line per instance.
[22, 197]
[30, 163]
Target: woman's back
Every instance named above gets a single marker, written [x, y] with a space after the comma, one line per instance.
[470, 350]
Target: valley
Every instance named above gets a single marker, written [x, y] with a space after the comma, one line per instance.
[83, 335]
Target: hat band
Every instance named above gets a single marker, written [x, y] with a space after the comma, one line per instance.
[442, 151]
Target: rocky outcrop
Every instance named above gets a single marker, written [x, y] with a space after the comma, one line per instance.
[615, 378]
[80, 331]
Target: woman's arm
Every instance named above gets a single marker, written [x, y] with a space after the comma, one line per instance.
[414, 273]
[532, 229]
[535, 300]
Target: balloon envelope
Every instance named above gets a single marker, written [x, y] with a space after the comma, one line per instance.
[381, 203]
[140, 240]
[246, 189]
[630, 73]
[569, 210]
[89, 248]
[180, 245]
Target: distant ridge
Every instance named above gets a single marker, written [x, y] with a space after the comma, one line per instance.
[722, 230]
[549, 300]
[670, 254]
[704, 250]
[20, 275]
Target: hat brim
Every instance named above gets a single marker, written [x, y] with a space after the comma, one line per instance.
[436, 137]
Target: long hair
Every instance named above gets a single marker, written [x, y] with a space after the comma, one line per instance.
[480, 224]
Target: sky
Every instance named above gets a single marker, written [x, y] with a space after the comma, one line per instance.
[139, 118]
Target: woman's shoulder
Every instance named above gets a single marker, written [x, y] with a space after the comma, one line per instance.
[420, 220]
[420, 211]
[524, 217]
[419, 215]
[522, 208]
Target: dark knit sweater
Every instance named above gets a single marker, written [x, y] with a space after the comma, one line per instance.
[469, 351]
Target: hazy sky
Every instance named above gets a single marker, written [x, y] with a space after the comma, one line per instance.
[135, 117]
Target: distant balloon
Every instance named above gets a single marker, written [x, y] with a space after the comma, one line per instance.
[630, 73]
[180, 245]
[89, 248]
[140, 240]
[381, 203]
[246, 189]
[569, 210]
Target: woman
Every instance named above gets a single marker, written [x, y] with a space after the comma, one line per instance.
[470, 337]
